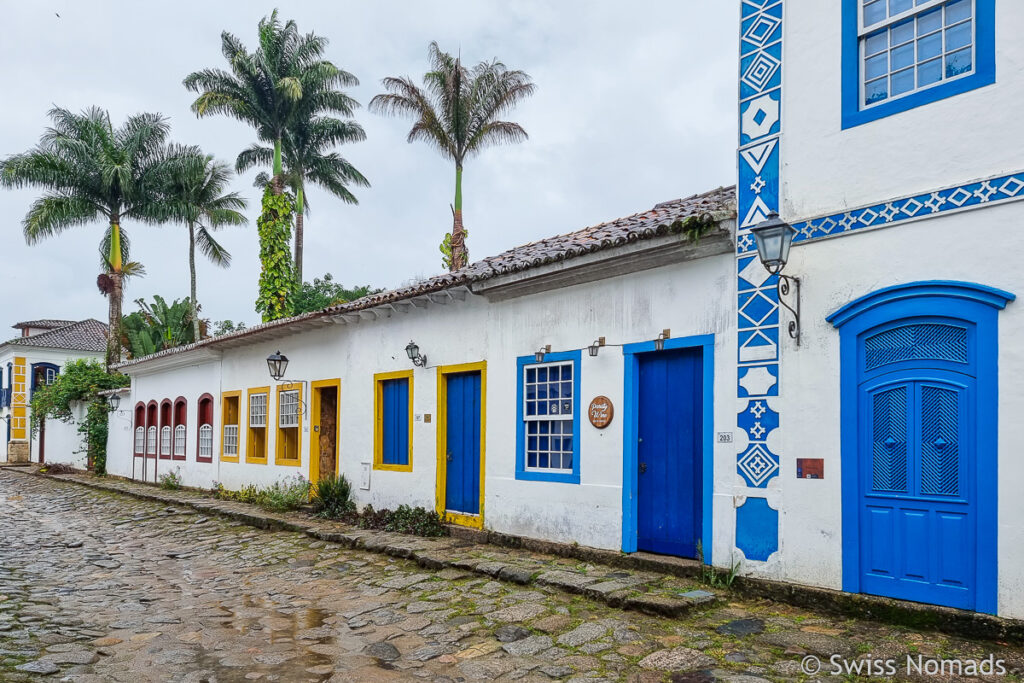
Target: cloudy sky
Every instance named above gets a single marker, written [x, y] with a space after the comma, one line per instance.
[635, 105]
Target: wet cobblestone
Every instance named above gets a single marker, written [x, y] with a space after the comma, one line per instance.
[96, 586]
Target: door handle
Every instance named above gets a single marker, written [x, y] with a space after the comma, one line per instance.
[643, 467]
[448, 457]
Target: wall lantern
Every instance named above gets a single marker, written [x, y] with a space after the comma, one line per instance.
[659, 342]
[595, 347]
[277, 364]
[774, 238]
[413, 351]
[539, 355]
[114, 401]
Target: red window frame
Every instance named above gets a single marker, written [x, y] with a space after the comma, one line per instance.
[140, 421]
[180, 420]
[204, 414]
[152, 420]
[165, 421]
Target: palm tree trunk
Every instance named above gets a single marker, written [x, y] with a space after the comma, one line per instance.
[298, 235]
[277, 180]
[114, 319]
[458, 236]
[192, 273]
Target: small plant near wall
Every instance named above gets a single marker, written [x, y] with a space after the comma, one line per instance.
[333, 497]
[281, 496]
[171, 480]
[417, 521]
[80, 381]
[713, 577]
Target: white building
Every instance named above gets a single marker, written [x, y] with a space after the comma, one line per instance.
[870, 448]
[29, 361]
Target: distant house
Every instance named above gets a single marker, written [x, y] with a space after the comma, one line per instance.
[29, 361]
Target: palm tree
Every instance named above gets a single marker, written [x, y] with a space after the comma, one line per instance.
[305, 156]
[264, 87]
[91, 170]
[158, 326]
[457, 112]
[195, 196]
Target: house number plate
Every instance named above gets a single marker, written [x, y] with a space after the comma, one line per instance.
[601, 412]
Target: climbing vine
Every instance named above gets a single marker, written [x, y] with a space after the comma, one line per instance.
[446, 249]
[277, 278]
[80, 381]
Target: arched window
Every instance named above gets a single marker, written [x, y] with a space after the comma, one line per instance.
[204, 447]
[165, 429]
[180, 420]
[140, 429]
[151, 429]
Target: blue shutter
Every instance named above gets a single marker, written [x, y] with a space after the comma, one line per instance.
[395, 432]
[940, 441]
[889, 440]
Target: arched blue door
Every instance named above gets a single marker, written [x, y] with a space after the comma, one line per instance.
[919, 442]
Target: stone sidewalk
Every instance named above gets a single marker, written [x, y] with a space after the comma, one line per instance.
[655, 593]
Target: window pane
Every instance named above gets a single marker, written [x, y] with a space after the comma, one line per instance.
[902, 81]
[929, 72]
[876, 43]
[874, 12]
[542, 460]
[958, 36]
[876, 66]
[902, 57]
[876, 91]
[958, 63]
[531, 461]
[929, 46]
[901, 33]
[531, 374]
[957, 11]
[931, 21]
[897, 6]
[542, 374]
[567, 461]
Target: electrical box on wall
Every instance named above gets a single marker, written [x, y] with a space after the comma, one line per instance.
[364, 479]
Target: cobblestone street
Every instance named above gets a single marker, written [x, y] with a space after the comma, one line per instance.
[96, 586]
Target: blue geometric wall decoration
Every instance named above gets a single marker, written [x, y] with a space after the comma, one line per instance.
[757, 529]
[757, 305]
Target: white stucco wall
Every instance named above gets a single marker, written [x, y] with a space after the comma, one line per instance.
[692, 298]
[834, 272]
[826, 169]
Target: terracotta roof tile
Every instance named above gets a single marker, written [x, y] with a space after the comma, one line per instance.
[85, 335]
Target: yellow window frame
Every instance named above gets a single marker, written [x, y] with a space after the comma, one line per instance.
[279, 458]
[250, 440]
[224, 397]
[314, 427]
[378, 420]
[473, 521]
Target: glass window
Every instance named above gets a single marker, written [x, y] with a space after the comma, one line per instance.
[289, 409]
[151, 441]
[230, 440]
[165, 440]
[206, 441]
[179, 440]
[549, 407]
[258, 410]
[906, 46]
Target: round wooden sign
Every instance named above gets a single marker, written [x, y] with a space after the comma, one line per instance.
[601, 412]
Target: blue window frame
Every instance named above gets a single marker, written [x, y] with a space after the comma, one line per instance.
[548, 418]
[901, 54]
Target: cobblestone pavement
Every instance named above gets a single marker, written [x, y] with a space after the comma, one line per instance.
[96, 586]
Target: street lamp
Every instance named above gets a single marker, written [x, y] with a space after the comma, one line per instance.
[114, 401]
[774, 238]
[541, 352]
[413, 351]
[659, 341]
[277, 364]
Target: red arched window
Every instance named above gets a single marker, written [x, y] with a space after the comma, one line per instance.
[140, 429]
[165, 429]
[151, 429]
[180, 421]
[204, 445]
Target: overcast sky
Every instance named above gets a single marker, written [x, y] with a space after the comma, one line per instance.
[635, 105]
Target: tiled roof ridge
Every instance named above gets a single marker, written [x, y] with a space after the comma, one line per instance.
[664, 218]
[44, 323]
[84, 335]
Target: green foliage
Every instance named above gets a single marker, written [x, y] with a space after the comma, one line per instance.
[446, 249]
[80, 380]
[227, 326]
[171, 481]
[713, 577]
[417, 521]
[158, 326]
[277, 281]
[333, 497]
[281, 496]
[324, 292]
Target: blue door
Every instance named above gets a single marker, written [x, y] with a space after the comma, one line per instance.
[462, 484]
[669, 423]
[918, 519]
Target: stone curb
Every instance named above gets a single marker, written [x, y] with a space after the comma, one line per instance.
[405, 548]
[914, 615]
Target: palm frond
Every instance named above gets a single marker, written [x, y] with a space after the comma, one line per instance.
[212, 249]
